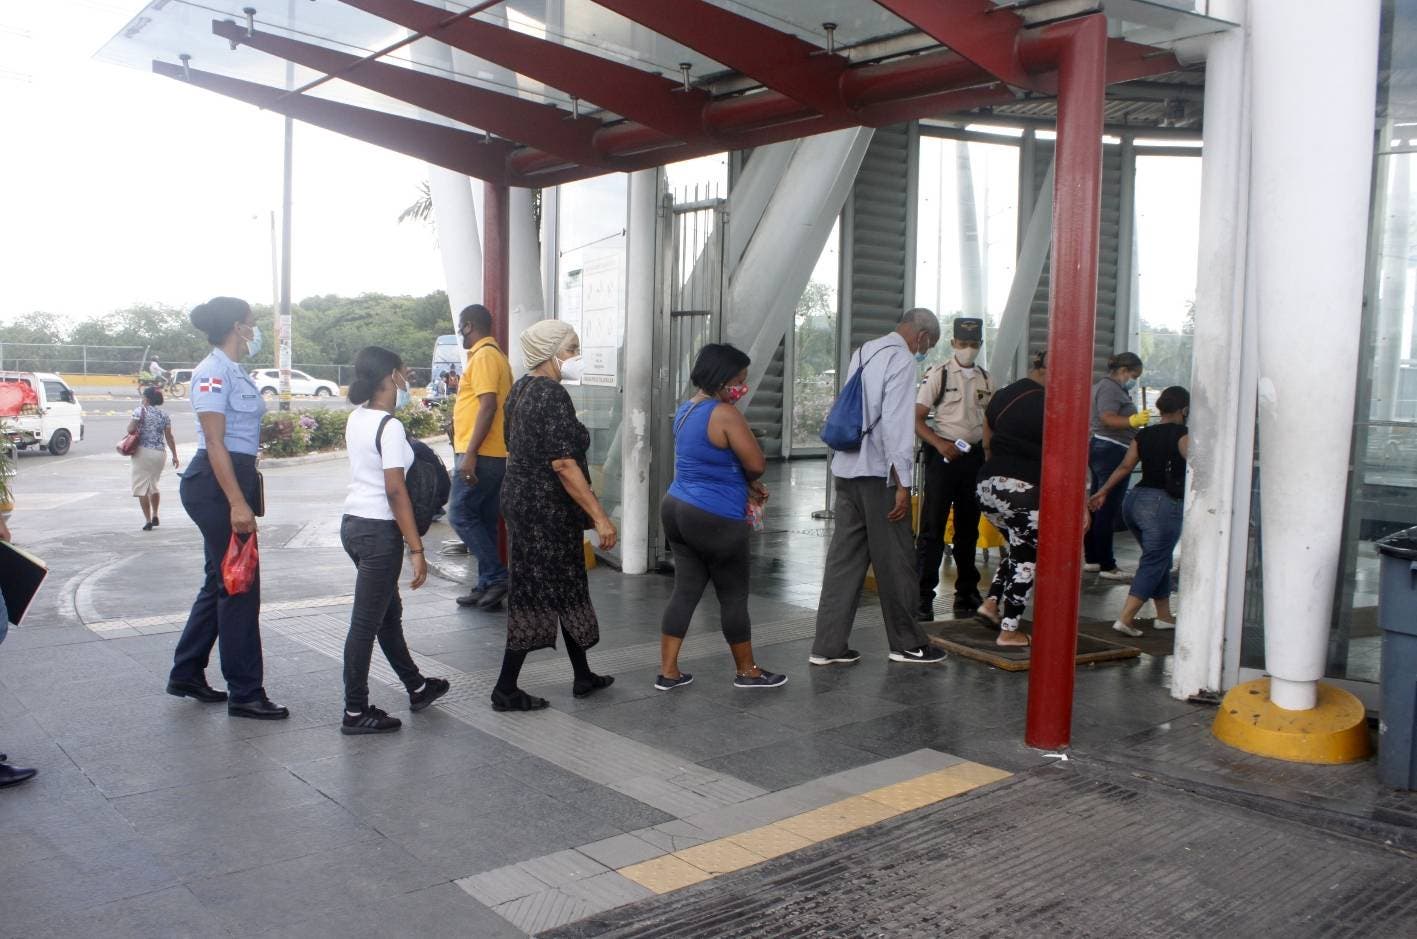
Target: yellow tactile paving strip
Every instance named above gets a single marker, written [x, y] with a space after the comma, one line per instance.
[735, 852]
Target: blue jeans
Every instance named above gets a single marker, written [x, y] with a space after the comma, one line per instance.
[1102, 460]
[473, 513]
[1155, 519]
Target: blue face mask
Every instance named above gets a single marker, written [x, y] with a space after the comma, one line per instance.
[253, 345]
[920, 358]
[1129, 384]
[402, 398]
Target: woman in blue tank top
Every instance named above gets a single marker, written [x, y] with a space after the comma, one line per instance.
[717, 463]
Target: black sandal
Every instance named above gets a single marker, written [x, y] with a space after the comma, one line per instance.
[582, 688]
[516, 701]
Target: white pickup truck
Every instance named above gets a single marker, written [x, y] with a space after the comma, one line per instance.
[50, 416]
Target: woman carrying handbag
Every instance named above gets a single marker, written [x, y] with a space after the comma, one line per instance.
[148, 440]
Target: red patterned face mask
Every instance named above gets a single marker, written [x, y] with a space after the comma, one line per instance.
[736, 393]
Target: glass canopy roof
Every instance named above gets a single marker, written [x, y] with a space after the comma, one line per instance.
[165, 29]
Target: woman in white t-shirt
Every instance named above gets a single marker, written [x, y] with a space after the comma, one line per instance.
[378, 522]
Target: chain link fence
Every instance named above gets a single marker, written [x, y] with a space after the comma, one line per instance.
[80, 359]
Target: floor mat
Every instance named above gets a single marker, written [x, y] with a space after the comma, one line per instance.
[974, 639]
[1064, 851]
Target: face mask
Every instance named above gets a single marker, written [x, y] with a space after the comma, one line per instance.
[573, 368]
[736, 393]
[966, 356]
[402, 398]
[1129, 384]
[253, 345]
[920, 358]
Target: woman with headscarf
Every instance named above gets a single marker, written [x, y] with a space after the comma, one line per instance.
[547, 503]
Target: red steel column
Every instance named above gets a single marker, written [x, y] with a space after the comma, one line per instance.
[1082, 82]
[497, 280]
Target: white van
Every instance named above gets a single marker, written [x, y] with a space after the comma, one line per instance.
[55, 422]
[448, 356]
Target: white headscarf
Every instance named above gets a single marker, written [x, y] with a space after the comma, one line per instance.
[543, 340]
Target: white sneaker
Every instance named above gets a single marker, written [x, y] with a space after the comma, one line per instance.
[1160, 625]
[1091, 568]
[1117, 573]
[1124, 629]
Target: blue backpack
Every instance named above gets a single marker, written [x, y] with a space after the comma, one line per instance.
[845, 430]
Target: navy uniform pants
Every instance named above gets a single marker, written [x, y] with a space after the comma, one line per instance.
[216, 616]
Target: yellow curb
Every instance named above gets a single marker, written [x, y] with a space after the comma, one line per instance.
[1336, 731]
[770, 841]
[720, 857]
[837, 818]
[664, 874]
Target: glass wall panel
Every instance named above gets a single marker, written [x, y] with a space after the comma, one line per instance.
[966, 231]
[1168, 190]
[592, 216]
[1382, 491]
[815, 352]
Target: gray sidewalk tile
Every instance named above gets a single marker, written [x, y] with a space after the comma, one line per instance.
[607, 891]
[122, 771]
[438, 911]
[562, 867]
[502, 884]
[172, 911]
[620, 851]
[544, 910]
[233, 798]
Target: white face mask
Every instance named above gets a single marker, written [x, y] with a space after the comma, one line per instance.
[967, 356]
[573, 368]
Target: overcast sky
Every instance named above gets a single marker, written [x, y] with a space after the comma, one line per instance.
[118, 186]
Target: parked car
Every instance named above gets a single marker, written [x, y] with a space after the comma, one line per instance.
[51, 418]
[268, 380]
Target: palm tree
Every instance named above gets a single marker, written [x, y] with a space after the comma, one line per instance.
[422, 210]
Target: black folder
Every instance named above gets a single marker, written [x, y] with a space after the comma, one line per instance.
[21, 573]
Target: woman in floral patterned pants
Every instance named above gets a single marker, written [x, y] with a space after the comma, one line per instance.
[1011, 505]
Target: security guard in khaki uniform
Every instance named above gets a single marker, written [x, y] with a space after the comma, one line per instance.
[957, 392]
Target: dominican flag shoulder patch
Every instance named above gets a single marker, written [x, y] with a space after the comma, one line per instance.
[209, 384]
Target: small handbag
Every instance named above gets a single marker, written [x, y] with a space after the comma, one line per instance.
[129, 444]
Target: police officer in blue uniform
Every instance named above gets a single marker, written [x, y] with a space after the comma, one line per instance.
[221, 493]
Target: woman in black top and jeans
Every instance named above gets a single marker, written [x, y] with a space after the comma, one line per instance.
[1153, 509]
[1008, 495]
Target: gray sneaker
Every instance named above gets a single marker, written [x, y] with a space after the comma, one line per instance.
[764, 679]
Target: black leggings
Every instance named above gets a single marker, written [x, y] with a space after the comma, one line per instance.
[706, 547]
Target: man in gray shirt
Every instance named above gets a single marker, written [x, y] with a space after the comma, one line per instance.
[873, 502]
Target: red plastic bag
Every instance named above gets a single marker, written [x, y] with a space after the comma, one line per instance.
[240, 565]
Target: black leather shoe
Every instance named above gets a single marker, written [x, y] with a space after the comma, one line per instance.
[196, 689]
[13, 775]
[965, 606]
[471, 598]
[492, 597]
[261, 709]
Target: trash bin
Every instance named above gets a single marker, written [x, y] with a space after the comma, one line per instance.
[1397, 615]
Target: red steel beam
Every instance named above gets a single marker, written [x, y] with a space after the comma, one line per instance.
[1078, 48]
[457, 150]
[981, 32]
[538, 125]
[798, 69]
[648, 99]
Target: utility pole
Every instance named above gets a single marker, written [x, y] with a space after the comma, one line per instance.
[282, 323]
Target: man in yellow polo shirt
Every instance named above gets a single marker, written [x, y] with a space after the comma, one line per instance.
[480, 455]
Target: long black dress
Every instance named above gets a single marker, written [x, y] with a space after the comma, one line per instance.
[545, 526]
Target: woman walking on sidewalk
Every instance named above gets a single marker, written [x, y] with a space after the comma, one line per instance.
[717, 463]
[548, 503]
[221, 491]
[378, 523]
[154, 429]
[1153, 509]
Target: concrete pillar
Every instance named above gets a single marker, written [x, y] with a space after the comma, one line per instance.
[779, 257]
[1309, 226]
[1213, 538]
[636, 437]
[527, 305]
[455, 219]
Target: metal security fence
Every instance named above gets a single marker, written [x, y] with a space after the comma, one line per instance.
[71, 359]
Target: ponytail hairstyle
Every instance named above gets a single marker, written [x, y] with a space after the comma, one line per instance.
[372, 365]
[1124, 360]
[219, 316]
[152, 396]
